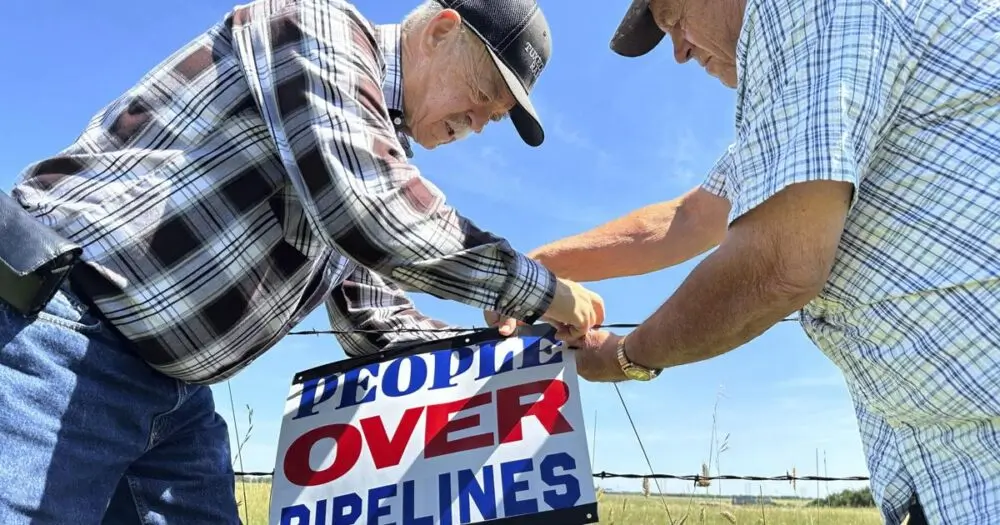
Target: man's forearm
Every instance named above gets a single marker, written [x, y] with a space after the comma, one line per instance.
[643, 241]
[774, 260]
[733, 296]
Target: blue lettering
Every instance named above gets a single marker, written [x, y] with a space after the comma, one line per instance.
[444, 498]
[547, 467]
[320, 512]
[351, 383]
[442, 366]
[532, 353]
[350, 501]
[375, 497]
[418, 374]
[409, 507]
[511, 505]
[299, 513]
[554, 469]
[307, 401]
[488, 361]
[486, 498]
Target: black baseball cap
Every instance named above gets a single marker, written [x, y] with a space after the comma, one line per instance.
[517, 37]
[637, 34]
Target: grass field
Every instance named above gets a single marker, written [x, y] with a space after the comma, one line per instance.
[639, 510]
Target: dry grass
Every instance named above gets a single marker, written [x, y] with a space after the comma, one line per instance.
[628, 510]
[254, 511]
[639, 510]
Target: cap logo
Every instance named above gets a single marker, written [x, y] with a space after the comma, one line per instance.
[535, 61]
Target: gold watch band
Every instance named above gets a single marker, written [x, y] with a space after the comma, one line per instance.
[632, 370]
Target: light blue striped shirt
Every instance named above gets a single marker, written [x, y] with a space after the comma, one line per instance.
[902, 100]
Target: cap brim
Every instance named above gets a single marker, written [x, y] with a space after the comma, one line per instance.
[637, 34]
[523, 114]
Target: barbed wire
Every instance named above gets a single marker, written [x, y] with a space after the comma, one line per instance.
[699, 477]
[453, 329]
[690, 477]
[695, 478]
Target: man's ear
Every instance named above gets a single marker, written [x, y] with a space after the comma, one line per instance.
[440, 29]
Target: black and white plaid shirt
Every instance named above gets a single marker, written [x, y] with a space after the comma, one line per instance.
[256, 174]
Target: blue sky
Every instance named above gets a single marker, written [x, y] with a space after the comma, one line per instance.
[621, 133]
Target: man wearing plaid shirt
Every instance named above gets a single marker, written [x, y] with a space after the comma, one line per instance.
[254, 175]
[862, 188]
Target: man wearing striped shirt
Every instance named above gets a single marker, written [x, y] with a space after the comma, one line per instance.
[862, 188]
[257, 173]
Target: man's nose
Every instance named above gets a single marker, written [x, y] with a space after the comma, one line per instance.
[682, 48]
[478, 119]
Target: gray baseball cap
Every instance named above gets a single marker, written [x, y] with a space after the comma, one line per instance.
[637, 34]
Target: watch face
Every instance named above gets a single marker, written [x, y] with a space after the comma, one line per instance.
[638, 374]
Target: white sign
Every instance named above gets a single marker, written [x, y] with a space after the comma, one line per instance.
[472, 429]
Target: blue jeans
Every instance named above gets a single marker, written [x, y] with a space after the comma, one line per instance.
[91, 434]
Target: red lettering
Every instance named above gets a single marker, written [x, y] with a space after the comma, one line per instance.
[510, 411]
[346, 453]
[436, 436]
[388, 452]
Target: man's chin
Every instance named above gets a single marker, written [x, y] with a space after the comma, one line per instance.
[723, 79]
[728, 80]
[430, 142]
[437, 143]
[425, 142]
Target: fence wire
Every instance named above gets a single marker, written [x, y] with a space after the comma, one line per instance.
[689, 477]
[455, 329]
[695, 478]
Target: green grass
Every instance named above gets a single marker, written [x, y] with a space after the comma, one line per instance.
[636, 509]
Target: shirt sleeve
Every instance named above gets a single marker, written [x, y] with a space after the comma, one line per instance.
[715, 181]
[823, 80]
[377, 315]
[316, 72]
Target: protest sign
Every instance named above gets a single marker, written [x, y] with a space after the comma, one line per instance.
[470, 429]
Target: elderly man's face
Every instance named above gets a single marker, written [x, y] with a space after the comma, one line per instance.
[705, 30]
[450, 91]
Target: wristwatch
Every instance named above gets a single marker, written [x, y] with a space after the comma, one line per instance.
[632, 370]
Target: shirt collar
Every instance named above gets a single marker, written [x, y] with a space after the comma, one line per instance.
[389, 38]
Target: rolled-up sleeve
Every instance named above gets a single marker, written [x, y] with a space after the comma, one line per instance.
[317, 74]
[822, 81]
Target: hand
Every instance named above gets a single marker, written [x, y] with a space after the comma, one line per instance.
[506, 325]
[574, 311]
[597, 356]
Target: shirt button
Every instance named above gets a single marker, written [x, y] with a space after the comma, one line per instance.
[530, 312]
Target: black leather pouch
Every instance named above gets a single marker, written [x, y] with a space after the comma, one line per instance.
[34, 259]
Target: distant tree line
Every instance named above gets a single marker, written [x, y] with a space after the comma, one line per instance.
[846, 498]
